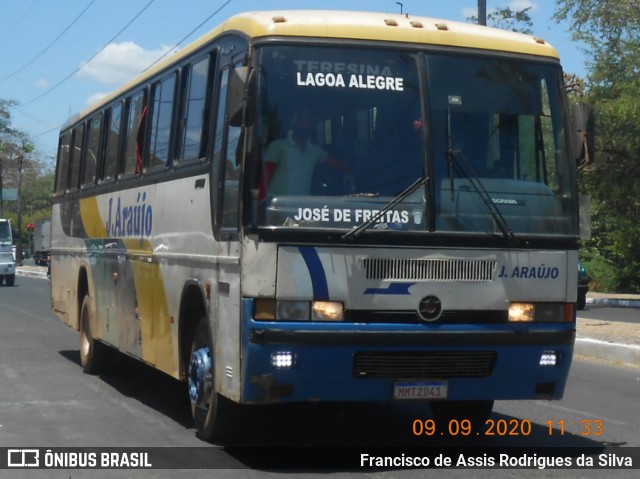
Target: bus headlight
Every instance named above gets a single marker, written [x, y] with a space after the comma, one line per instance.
[327, 311]
[267, 309]
[293, 310]
[521, 312]
[541, 312]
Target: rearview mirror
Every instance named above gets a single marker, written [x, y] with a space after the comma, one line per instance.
[583, 134]
[239, 98]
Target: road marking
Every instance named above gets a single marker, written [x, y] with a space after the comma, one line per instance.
[27, 313]
[579, 413]
[608, 343]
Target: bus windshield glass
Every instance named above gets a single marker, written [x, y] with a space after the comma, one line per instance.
[342, 132]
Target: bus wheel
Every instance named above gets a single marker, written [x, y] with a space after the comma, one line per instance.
[11, 279]
[205, 401]
[92, 352]
[477, 412]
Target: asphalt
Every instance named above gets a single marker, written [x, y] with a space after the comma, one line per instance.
[616, 342]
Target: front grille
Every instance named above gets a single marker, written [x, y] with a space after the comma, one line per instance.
[434, 269]
[423, 364]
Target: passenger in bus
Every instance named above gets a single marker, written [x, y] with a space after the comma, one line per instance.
[289, 162]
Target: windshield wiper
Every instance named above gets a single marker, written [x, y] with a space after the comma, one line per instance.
[458, 161]
[354, 233]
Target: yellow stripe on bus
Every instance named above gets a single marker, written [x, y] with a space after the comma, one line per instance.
[153, 310]
[92, 221]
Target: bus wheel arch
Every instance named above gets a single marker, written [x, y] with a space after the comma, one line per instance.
[93, 353]
[82, 291]
[192, 309]
[196, 346]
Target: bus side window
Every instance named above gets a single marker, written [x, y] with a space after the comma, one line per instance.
[193, 126]
[112, 153]
[162, 94]
[226, 166]
[135, 120]
[76, 156]
[92, 156]
[64, 155]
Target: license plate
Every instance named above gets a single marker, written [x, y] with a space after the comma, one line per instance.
[420, 390]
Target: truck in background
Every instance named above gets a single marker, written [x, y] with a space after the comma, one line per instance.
[42, 242]
[7, 260]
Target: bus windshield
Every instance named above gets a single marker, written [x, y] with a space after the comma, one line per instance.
[342, 132]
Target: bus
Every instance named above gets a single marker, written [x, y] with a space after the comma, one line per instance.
[310, 206]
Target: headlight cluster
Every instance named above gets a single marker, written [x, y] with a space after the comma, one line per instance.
[286, 310]
[541, 312]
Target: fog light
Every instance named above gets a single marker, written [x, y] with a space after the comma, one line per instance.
[521, 312]
[283, 359]
[549, 358]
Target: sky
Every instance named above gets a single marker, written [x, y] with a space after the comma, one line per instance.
[58, 56]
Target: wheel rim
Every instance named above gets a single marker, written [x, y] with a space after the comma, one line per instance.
[200, 377]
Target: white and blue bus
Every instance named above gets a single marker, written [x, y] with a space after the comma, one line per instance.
[328, 206]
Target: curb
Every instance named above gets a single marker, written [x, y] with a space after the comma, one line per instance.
[617, 303]
[615, 352]
[33, 274]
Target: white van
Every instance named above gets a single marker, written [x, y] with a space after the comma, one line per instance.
[7, 256]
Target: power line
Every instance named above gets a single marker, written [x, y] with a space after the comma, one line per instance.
[46, 92]
[17, 24]
[50, 45]
[42, 122]
[111, 40]
[189, 34]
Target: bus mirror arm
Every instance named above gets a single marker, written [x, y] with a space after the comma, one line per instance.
[583, 134]
[240, 103]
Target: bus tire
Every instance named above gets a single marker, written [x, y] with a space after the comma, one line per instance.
[582, 300]
[206, 403]
[10, 279]
[477, 412]
[93, 353]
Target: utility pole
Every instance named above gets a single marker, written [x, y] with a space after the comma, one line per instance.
[1, 200]
[25, 149]
[482, 12]
[19, 242]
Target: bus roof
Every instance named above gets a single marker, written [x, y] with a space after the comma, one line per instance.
[383, 27]
[388, 27]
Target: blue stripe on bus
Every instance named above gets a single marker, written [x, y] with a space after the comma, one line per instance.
[393, 288]
[316, 272]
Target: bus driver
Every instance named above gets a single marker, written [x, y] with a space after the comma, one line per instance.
[289, 162]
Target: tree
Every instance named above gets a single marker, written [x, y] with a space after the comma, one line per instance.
[22, 168]
[611, 35]
[504, 18]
